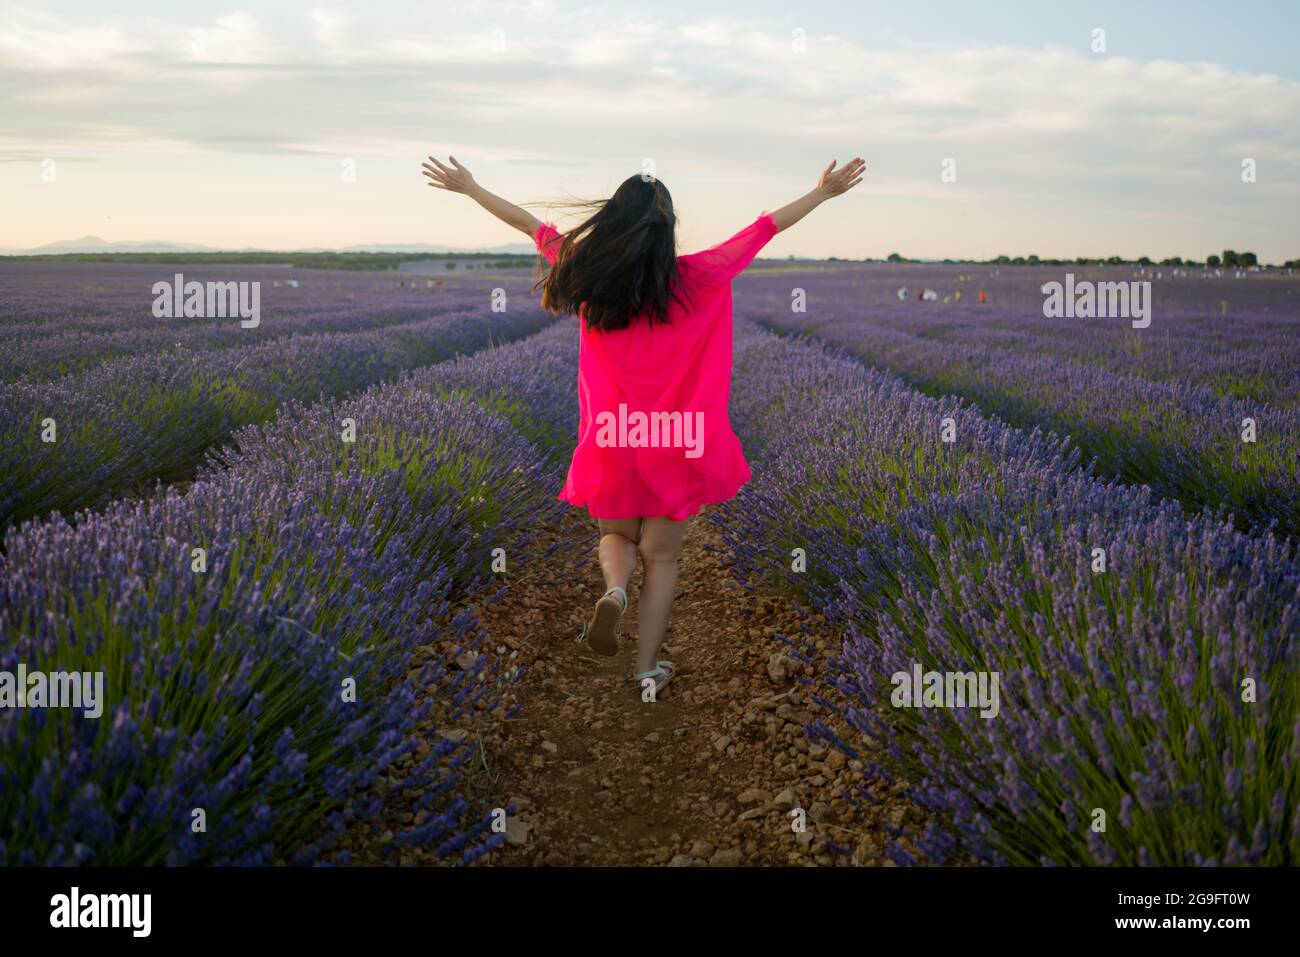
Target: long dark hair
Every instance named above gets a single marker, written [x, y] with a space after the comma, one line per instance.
[621, 262]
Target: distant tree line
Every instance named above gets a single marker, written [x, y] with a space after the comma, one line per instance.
[1229, 260]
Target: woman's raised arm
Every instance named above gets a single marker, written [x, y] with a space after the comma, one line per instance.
[833, 182]
[457, 179]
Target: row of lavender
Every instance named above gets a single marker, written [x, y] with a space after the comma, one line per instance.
[1235, 336]
[59, 319]
[1200, 407]
[258, 633]
[83, 440]
[1148, 662]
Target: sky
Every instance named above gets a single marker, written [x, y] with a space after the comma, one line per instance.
[988, 128]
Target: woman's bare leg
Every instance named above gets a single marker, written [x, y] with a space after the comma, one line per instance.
[660, 544]
[617, 550]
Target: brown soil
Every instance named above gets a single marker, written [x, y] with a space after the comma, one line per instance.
[708, 774]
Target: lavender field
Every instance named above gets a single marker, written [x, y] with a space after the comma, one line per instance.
[61, 318]
[135, 399]
[1122, 689]
[229, 607]
[1161, 406]
[226, 612]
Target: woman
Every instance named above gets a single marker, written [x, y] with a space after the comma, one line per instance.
[654, 375]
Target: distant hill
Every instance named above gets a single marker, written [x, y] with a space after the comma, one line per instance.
[93, 244]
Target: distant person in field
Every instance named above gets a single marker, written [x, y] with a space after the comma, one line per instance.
[654, 374]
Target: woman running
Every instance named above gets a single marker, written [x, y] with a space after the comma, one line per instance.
[654, 376]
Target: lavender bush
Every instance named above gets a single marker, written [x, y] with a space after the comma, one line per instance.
[325, 561]
[1121, 691]
[130, 421]
[62, 318]
[1162, 406]
[1234, 336]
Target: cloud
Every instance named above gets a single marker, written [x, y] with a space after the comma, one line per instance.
[36, 41]
[625, 69]
[716, 96]
[234, 38]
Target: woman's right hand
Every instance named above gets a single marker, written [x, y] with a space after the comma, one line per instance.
[454, 178]
[834, 181]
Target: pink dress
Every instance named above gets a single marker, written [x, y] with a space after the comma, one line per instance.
[654, 438]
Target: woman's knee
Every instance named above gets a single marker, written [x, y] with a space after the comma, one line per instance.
[661, 542]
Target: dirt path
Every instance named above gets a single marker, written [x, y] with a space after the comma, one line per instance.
[709, 774]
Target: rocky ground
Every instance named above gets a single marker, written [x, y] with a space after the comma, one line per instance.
[718, 771]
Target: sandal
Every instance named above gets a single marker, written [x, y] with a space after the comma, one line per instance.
[602, 632]
[663, 672]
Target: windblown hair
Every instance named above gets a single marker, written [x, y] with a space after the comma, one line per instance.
[621, 262]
